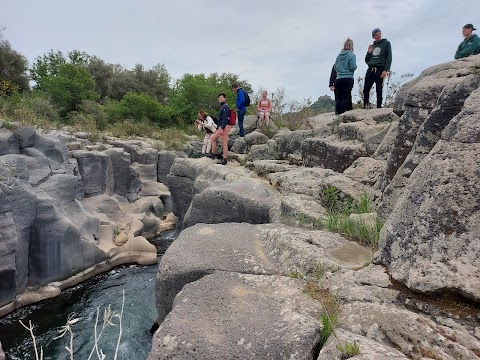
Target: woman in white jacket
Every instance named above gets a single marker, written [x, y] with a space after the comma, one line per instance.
[206, 123]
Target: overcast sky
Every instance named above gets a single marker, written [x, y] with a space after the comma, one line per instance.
[270, 43]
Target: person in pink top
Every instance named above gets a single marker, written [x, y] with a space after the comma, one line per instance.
[264, 107]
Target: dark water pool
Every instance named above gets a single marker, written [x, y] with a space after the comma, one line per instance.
[82, 302]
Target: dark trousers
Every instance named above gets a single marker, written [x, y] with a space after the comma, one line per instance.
[240, 116]
[344, 94]
[336, 102]
[373, 77]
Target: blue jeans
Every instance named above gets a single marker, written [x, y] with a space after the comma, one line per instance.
[241, 115]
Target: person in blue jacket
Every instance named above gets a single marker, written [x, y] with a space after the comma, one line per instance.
[345, 65]
[241, 108]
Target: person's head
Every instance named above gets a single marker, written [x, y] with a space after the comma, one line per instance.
[467, 30]
[264, 94]
[348, 44]
[222, 97]
[235, 87]
[202, 115]
[377, 34]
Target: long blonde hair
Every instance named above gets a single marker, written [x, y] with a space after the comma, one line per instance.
[348, 44]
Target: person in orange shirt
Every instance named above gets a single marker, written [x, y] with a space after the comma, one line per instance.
[264, 107]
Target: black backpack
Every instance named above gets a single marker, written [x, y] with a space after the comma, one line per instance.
[247, 98]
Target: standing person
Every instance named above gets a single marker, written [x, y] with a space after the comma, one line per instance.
[331, 85]
[241, 108]
[205, 122]
[345, 65]
[222, 131]
[264, 107]
[379, 60]
[470, 45]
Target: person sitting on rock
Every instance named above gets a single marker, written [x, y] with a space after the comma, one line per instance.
[470, 45]
[205, 122]
[264, 107]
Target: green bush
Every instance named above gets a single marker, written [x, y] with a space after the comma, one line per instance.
[96, 111]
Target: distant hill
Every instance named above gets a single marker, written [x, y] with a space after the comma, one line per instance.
[324, 104]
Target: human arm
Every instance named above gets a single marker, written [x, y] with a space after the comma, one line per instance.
[472, 47]
[223, 116]
[258, 105]
[269, 105]
[352, 63]
[240, 101]
[368, 56]
[333, 76]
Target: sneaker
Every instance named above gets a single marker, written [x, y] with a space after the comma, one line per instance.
[222, 162]
[210, 155]
[219, 156]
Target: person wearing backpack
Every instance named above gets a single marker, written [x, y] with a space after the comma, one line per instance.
[264, 107]
[224, 120]
[241, 103]
[207, 124]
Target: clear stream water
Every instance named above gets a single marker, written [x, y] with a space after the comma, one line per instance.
[82, 302]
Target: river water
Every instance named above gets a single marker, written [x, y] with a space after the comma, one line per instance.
[82, 302]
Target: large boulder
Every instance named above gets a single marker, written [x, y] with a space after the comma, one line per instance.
[8, 142]
[427, 105]
[165, 161]
[204, 249]
[331, 153]
[96, 171]
[239, 201]
[430, 241]
[238, 316]
[126, 179]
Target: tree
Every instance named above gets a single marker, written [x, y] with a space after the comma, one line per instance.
[13, 68]
[69, 86]
[192, 93]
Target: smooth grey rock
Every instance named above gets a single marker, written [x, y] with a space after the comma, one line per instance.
[290, 142]
[203, 249]
[25, 135]
[365, 170]
[239, 146]
[8, 242]
[430, 241]
[147, 172]
[52, 147]
[415, 335]
[428, 104]
[126, 178]
[96, 171]
[165, 161]
[305, 251]
[8, 142]
[264, 167]
[302, 210]
[239, 201]
[266, 151]
[15, 165]
[369, 349]
[240, 316]
[255, 138]
[331, 153]
[53, 241]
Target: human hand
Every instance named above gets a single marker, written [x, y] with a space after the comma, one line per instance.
[383, 74]
[332, 88]
[370, 48]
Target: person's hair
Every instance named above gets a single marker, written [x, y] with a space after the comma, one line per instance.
[222, 94]
[264, 91]
[348, 44]
[203, 114]
[235, 86]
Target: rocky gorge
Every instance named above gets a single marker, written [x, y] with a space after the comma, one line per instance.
[254, 272]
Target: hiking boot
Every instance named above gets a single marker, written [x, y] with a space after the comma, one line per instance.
[222, 162]
[210, 155]
[219, 157]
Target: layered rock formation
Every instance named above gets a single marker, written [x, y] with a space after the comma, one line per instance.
[236, 290]
[68, 215]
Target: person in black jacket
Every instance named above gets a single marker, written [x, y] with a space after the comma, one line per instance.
[223, 129]
[331, 84]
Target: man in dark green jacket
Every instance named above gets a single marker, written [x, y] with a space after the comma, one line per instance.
[470, 45]
[379, 60]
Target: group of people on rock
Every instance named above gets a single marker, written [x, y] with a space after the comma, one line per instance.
[219, 127]
[379, 61]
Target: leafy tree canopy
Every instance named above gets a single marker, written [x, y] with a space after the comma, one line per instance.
[13, 68]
